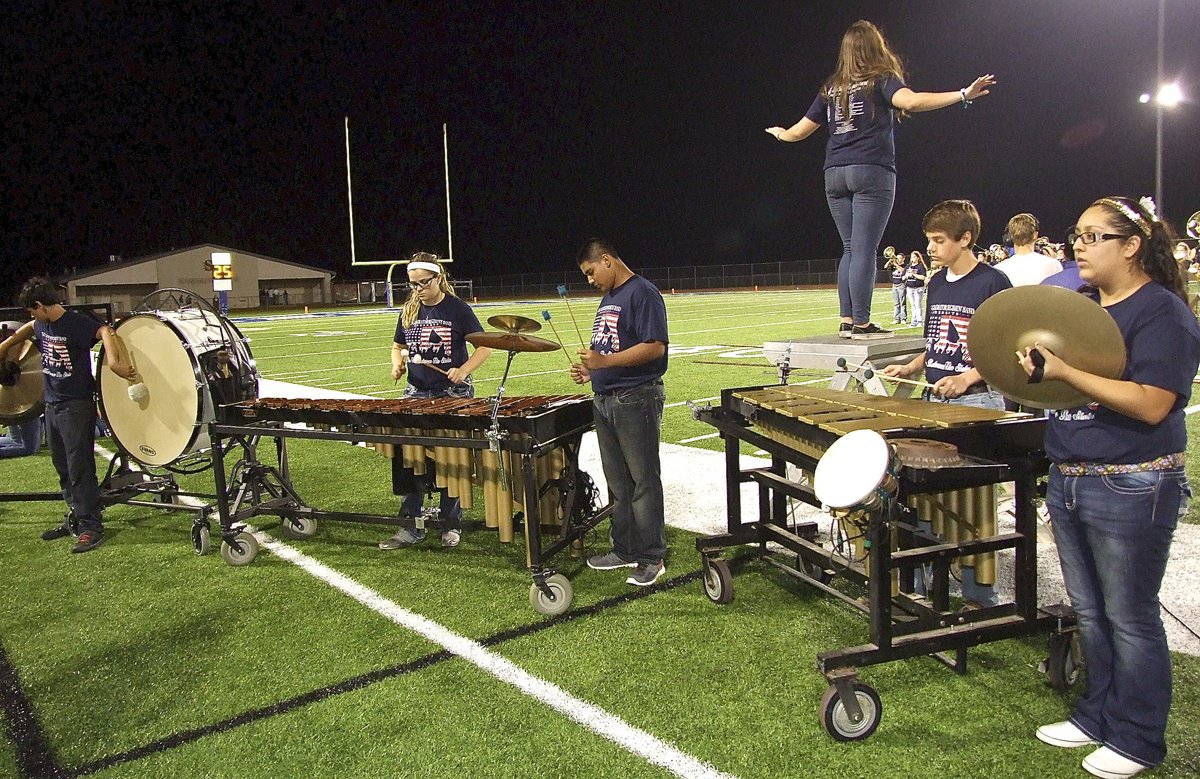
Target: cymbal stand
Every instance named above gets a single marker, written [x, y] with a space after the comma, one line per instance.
[785, 365]
[494, 434]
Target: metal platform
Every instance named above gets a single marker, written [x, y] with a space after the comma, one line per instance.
[823, 352]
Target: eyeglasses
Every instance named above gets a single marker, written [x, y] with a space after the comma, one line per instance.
[1089, 238]
[420, 285]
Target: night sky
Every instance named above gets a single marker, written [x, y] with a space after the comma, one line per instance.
[150, 127]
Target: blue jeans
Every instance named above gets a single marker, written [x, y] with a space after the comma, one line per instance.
[23, 439]
[916, 305]
[627, 428]
[449, 509]
[71, 436]
[860, 200]
[1114, 535]
[899, 303]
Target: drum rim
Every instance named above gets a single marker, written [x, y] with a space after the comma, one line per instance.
[845, 446]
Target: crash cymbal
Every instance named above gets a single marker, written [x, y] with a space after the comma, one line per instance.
[512, 342]
[22, 400]
[511, 323]
[1073, 326]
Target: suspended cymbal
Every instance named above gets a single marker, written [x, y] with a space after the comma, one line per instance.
[511, 323]
[22, 400]
[512, 342]
[1073, 326]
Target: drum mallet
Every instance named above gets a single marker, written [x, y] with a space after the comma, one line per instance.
[403, 358]
[557, 337]
[562, 293]
[417, 359]
[869, 373]
[137, 389]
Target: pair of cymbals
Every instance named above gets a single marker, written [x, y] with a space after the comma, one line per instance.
[512, 323]
[1073, 326]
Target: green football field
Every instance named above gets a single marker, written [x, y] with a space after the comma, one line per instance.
[327, 657]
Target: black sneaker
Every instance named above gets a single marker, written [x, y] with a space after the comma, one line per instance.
[645, 574]
[55, 533]
[88, 539]
[844, 330]
[868, 332]
[609, 562]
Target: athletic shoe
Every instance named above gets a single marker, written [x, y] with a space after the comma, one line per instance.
[1065, 734]
[404, 537]
[450, 538]
[868, 332]
[61, 531]
[645, 574]
[1108, 764]
[844, 330]
[609, 562]
[88, 539]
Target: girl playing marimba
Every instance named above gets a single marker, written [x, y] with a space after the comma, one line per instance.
[431, 345]
[1117, 485]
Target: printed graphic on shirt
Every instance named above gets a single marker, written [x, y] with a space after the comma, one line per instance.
[1081, 414]
[845, 124]
[605, 338]
[431, 339]
[946, 348]
[56, 359]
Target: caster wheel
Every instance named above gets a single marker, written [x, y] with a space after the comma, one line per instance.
[201, 539]
[298, 527]
[718, 581]
[241, 551]
[1065, 663]
[813, 570]
[560, 589]
[837, 721]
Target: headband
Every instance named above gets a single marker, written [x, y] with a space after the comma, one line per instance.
[1129, 213]
[432, 267]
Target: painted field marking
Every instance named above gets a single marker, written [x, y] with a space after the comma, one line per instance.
[590, 716]
[697, 438]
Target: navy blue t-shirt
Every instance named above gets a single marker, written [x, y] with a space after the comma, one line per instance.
[898, 276]
[66, 347]
[867, 135]
[1162, 346]
[949, 308]
[633, 313]
[439, 336]
[913, 282]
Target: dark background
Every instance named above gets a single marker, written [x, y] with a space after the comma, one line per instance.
[136, 128]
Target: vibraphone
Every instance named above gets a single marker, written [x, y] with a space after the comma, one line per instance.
[947, 480]
[526, 464]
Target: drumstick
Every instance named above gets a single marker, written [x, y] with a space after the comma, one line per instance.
[416, 359]
[562, 293]
[557, 337]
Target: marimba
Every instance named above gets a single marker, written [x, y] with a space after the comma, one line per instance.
[956, 457]
[526, 462]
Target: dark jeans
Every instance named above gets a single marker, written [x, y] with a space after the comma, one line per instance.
[449, 509]
[71, 436]
[627, 428]
[23, 439]
[860, 199]
[1114, 535]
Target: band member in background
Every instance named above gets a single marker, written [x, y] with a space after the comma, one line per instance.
[625, 364]
[859, 104]
[954, 294]
[915, 275]
[433, 325]
[65, 339]
[23, 439]
[1118, 486]
[1026, 266]
[895, 263]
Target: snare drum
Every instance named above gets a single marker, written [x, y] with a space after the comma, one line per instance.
[859, 472]
[176, 356]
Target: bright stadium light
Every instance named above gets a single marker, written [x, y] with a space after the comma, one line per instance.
[1169, 95]
[1145, 98]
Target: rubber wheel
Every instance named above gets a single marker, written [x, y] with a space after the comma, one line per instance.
[837, 722]
[298, 527]
[718, 581]
[201, 539]
[813, 570]
[242, 551]
[1065, 663]
[560, 586]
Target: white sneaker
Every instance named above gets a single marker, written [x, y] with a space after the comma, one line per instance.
[450, 538]
[1108, 764]
[1065, 734]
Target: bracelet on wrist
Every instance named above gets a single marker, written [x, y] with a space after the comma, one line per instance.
[962, 93]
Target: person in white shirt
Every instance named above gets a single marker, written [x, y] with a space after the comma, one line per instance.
[1026, 266]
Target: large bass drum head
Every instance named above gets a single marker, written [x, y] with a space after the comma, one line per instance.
[162, 427]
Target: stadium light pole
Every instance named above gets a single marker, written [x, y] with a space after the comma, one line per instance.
[1168, 96]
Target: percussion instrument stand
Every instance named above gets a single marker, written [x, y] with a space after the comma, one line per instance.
[494, 434]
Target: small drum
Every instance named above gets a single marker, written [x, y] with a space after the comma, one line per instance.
[191, 361]
[859, 472]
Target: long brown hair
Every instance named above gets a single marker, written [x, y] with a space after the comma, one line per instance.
[864, 56]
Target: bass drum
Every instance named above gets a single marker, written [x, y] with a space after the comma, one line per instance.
[191, 361]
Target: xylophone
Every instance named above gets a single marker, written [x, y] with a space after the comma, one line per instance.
[522, 452]
[946, 463]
